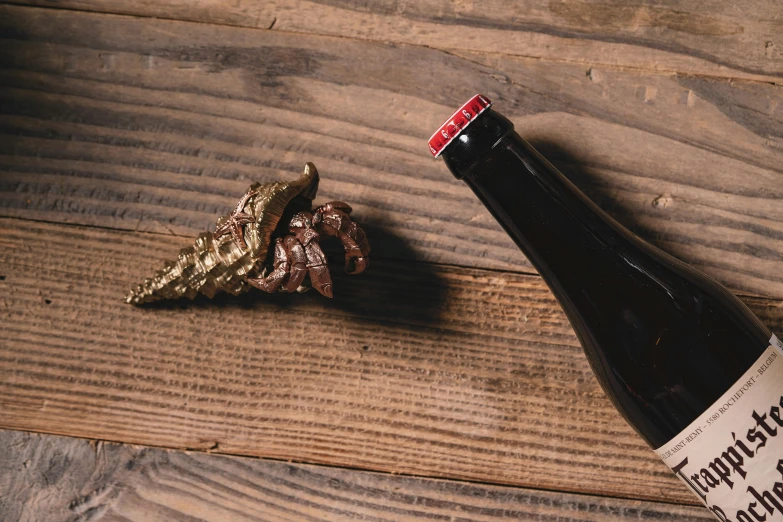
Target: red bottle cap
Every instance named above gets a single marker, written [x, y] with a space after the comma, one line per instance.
[458, 121]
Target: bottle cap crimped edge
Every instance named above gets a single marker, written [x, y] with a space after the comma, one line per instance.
[457, 123]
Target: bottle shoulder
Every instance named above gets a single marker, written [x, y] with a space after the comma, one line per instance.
[675, 342]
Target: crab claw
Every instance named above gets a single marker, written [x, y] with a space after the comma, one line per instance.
[332, 219]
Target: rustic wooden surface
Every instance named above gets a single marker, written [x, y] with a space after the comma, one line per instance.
[155, 125]
[59, 479]
[723, 39]
[127, 127]
[413, 368]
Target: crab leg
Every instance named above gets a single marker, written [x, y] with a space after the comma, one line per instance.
[298, 257]
[306, 236]
[272, 282]
[316, 266]
[332, 219]
[356, 251]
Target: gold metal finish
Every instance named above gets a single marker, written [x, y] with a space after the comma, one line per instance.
[239, 249]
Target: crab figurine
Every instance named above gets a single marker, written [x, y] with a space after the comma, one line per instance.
[270, 241]
[299, 254]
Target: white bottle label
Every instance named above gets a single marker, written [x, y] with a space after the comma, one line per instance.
[732, 455]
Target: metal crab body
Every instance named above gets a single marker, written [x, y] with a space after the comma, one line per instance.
[223, 261]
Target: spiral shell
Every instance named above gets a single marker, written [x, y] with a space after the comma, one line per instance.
[213, 264]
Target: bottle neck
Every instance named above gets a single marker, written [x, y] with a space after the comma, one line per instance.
[475, 142]
[550, 220]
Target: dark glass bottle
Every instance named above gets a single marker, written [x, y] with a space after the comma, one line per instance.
[665, 340]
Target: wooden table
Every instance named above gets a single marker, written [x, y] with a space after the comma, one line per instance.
[443, 384]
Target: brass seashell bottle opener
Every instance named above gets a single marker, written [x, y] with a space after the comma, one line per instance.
[272, 224]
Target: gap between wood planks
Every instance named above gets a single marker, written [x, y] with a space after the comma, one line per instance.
[105, 479]
[739, 294]
[100, 9]
[93, 442]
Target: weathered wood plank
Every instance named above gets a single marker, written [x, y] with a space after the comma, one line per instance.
[43, 477]
[412, 368]
[156, 125]
[703, 38]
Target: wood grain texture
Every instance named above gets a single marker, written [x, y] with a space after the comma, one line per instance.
[412, 368]
[155, 125]
[158, 125]
[58, 479]
[724, 39]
